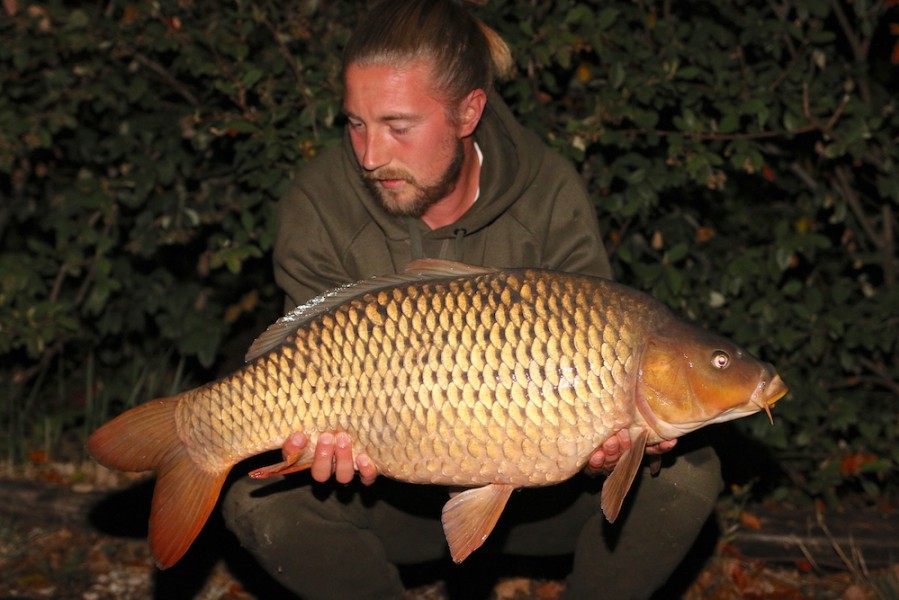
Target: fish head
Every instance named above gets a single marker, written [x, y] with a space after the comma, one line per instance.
[689, 378]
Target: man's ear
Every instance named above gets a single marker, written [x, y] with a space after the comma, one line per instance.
[470, 110]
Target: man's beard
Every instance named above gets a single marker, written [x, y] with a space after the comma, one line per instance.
[425, 197]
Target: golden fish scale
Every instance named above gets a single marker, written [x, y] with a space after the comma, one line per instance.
[508, 377]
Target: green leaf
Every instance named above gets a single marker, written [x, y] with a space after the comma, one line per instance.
[606, 18]
[581, 14]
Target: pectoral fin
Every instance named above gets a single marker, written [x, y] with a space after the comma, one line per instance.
[619, 482]
[290, 464]
[469, 517]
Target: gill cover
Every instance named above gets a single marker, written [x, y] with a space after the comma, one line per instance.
[689, 378]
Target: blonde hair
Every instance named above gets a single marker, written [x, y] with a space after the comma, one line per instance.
[463, 52]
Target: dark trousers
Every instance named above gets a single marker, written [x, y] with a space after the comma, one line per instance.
[327, 541]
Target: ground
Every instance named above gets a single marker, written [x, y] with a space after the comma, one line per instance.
[58, 540]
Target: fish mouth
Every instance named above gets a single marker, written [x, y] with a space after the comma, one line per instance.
[768, 393]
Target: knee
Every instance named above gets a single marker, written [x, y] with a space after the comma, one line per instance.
[697, 474]
[239, 509]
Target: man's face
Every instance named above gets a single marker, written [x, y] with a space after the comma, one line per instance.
[409, 151]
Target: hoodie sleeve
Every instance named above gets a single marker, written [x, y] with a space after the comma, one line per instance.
[572, 240]
[306, 260]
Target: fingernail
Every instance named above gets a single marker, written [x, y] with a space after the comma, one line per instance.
[326, 438]
[363, 461]
[343, 440]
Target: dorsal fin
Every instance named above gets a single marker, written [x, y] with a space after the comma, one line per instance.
[417, 270]
[428, 268]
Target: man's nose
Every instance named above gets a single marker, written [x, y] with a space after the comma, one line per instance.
[375, 153]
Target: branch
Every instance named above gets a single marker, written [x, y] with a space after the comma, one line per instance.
[883, 375]
[295, 66]
[889, 245]
[167, 77]
[843, 183]
[884, 241]
[4, 219]
[814, 125]
[703, 137]
[859, 49]
[859, 46]
[803, 175]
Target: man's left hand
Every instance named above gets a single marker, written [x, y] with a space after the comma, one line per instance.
[604, 459]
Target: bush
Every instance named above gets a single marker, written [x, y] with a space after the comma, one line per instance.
[743, 158]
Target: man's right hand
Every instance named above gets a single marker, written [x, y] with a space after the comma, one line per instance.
[333, 457]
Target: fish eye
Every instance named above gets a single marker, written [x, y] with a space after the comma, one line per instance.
[720, 359]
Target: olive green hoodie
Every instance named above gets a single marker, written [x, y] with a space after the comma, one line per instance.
[532, 211]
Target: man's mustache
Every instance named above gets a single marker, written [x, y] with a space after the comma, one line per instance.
[387, 173]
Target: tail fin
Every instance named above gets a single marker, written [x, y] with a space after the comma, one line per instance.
[145, 438]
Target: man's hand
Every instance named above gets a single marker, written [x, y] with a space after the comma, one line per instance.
[333, 456]
[604, 459]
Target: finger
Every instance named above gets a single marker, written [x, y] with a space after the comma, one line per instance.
[661, 447]
[367, 470]
[294, 444]
[344, 471]
[597, 462]
[323, 461]
[611, 447]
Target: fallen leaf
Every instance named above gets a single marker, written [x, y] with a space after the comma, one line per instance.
[750, 521]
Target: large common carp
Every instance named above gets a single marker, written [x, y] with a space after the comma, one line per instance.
[448, 374]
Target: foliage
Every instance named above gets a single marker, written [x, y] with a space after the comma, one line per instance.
[743, 158]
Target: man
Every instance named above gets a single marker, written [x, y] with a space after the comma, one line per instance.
[434, 165]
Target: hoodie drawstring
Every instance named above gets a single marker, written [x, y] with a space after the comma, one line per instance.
[459, 245]
[414, 238]
[415, 243]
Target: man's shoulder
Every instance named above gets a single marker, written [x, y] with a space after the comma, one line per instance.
[328, 178]
[504, 130]
[328, 163]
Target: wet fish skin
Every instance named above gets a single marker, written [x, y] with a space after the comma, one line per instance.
[428, 396]
[454, 375]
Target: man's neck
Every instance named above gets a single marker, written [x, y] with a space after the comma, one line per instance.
[451, 208]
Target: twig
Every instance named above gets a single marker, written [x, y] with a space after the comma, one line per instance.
[167, 77]
[889, 245]
[884, 241]
[883, 374]
[836, 114]
[286, 54]
[805, 552]
[4, 219]
[702, 137]
[859, 46]
[802, 174]
[844, 185]
[851, 566]
[859, 49]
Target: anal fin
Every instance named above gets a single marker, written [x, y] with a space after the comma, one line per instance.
[470, 516]
[619, 482]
